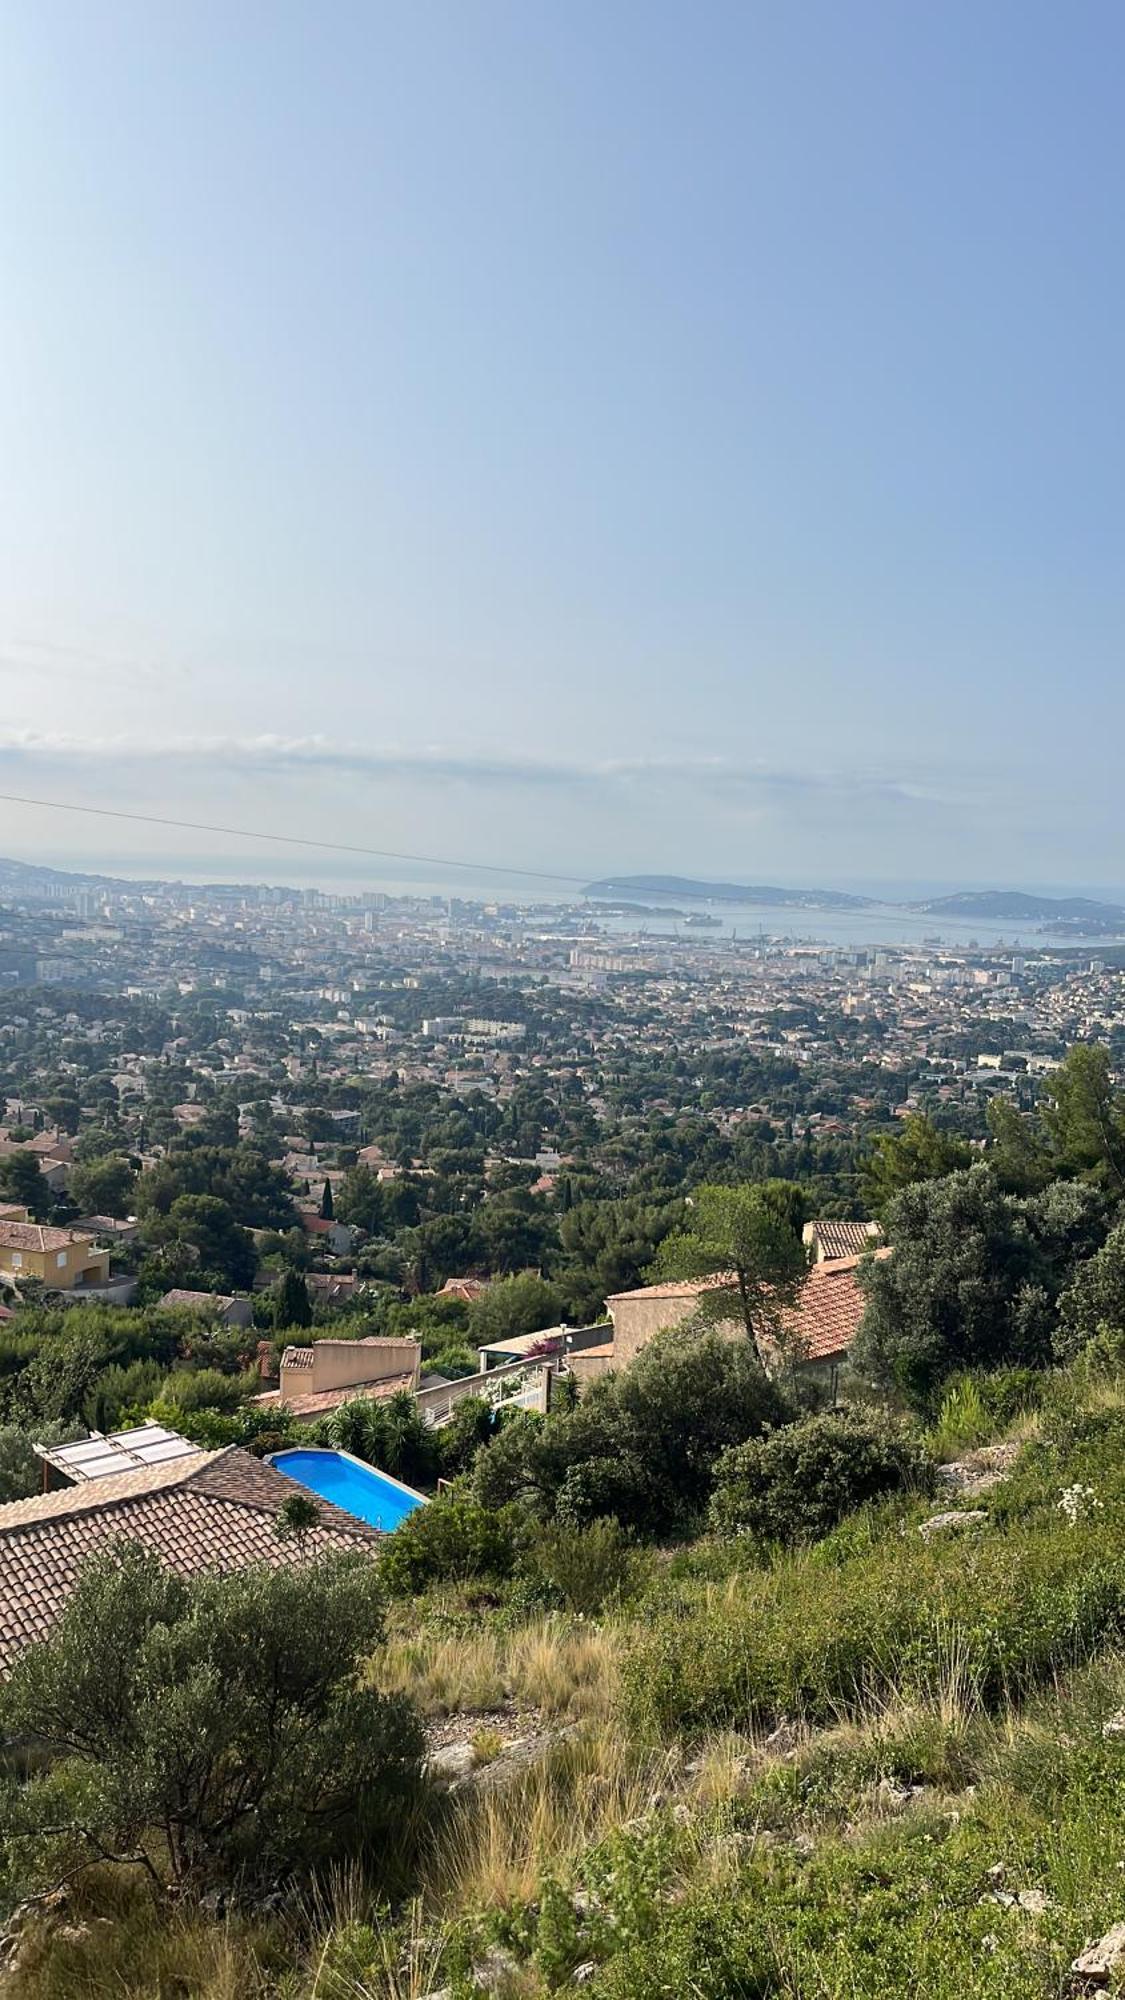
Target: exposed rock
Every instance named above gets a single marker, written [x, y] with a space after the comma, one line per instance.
[1035, 1901]
[518, 1753]
[494, 1969]
[895, 1794]
[951, 1522]
[1116, 1724]
[784, 1740]
[583, 1973]
[1098, 1963]
[452, 1762]
[978, 1470]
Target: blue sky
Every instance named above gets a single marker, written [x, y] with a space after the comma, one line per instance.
[595, 436]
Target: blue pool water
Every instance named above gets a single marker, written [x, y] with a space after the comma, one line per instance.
[357, 1488]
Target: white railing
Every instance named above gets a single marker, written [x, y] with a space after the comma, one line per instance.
[524, 1383]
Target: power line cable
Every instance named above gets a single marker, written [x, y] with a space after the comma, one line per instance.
[291, 840]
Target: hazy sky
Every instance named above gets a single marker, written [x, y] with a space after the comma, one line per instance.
[598, 434]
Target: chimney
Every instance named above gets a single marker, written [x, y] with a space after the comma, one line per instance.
[267, 1368]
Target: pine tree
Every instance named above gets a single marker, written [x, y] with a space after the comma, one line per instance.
[293, 1307]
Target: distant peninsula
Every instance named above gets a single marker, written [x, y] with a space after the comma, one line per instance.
[726, 892]
[1005, 905]
[1075, 916]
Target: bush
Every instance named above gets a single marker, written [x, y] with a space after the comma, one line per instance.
[795, 1484]
[392, 1435]
[461, 1438]
[584, 1569]
[212, 1730]
[641, 1446]
[976, 1407]
[450, 1540]
[1094, 1299]
[204, 1389]
[21, 1469]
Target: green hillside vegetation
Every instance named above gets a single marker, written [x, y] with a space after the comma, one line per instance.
[693, 1686]
[854, 1762]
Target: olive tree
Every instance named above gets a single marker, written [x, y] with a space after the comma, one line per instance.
[209, 1730]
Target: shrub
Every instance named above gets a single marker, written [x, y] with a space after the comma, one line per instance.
[211, 1729]
[392, 1435]
[204, 1389]
[641, 1446]
[462, 1437]
[584, 1569]
[449, 1540]
[21, 1469]
[795, 1484]
[976, 1407]
[1094, 1299]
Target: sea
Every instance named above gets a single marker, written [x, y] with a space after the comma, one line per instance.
[884, 923]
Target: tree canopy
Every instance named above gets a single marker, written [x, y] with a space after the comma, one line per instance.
[748, 1238]
[211, 1730]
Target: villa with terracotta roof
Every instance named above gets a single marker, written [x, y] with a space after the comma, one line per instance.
[317, 1378]
[818, 1331]
[62, 1259]
[196, 1510]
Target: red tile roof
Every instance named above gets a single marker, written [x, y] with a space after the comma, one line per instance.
[842, 1239]
[821, 1325]
[318, 1402]
[826, 1319]
[34, 1236]
[215, 1510]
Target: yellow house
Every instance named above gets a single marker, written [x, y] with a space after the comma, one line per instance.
[60, 1258]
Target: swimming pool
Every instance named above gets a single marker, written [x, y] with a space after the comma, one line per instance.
[372, 1496]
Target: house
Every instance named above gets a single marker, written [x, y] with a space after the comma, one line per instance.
[467, 1289]
[832, 1240]
[116, 1228]
[224, 1311]
[62, 1259]
[549, 1342]
[818, 1331]
[203, 1510]
[333, 1288]
[335, 1237]
[321, 1376]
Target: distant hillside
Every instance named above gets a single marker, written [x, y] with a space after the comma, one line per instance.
[727, 892]
[27, 878]
[999, 905]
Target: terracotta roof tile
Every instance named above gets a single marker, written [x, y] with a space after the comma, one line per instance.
[842, 1239]
[317, 1402]
[215, 1510]
[826, 1319]
[35, 1236]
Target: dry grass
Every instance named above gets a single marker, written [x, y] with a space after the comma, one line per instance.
[498, 1842]
[561, 1666]
[361, 1956]
[116, 1944]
